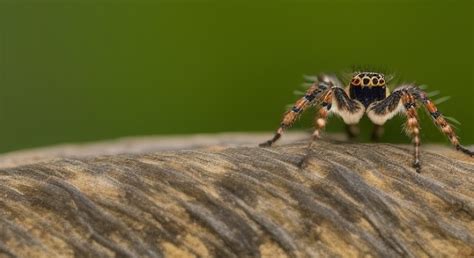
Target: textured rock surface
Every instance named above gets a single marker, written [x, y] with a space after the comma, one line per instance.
[351, 200]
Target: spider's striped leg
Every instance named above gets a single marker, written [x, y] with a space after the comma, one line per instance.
[400, 100]
[413, 126]
[322, 116]
[440, 121]
[338, 102]
[292, 115]
[404, 99]
[326, 102]
[320, 124]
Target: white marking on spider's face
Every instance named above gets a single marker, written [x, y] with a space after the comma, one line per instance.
[348, 117]
[381, 119]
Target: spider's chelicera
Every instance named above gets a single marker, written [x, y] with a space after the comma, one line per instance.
[367, 93]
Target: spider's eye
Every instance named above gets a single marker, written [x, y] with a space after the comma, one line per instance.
[366, 81]
[356, 81]
[375, 81]
[382, 81]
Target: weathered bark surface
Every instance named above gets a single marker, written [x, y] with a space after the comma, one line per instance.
[351, 200]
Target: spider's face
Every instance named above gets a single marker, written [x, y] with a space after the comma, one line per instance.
[368, 79]
[368, 87]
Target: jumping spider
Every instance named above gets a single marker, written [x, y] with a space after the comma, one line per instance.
[367, 93]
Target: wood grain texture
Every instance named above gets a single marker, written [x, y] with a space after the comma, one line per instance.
[352, 200]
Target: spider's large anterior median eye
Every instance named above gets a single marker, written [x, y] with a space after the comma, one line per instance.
[375, 81]
[366, 81]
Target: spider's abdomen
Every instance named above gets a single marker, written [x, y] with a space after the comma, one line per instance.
[368, 87]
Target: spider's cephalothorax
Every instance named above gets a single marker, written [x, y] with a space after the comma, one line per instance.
[368, 87]
[367, 93]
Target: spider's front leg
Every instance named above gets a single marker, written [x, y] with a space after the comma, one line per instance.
[439, 120]
[413, 127]
[322, 115]
[338, 102]
[399, 101]
[312, 95]
[405, 100]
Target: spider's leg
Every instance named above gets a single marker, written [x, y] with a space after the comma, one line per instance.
[440, 121]
[413, 126]
[320, 123]
[399, 101]
[338, 102]
[352, 131]
[311, 96]
[322, 115]
[377, 133]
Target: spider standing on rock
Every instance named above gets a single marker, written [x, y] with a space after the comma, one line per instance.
[368, 94]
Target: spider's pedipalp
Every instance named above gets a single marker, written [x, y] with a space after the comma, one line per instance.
[350, 110]
[381, 111]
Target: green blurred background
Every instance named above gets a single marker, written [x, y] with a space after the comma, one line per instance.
[73, 71]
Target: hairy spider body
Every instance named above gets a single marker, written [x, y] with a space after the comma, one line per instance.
[367, 94]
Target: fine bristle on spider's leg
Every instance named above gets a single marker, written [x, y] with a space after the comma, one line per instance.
[452, 120]
[441, 100]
